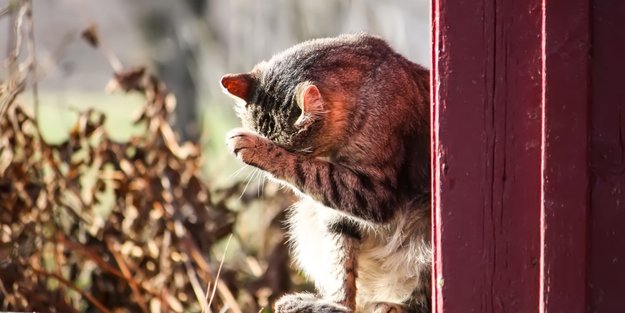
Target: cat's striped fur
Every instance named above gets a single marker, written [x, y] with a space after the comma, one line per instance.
[345, 122]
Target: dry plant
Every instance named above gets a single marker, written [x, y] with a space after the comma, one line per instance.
[92, 224]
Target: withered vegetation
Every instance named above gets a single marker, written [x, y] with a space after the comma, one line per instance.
[91, 224]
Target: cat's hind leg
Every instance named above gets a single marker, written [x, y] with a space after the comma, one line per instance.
[325, 247]
[336, 297]
[307, 303]
[385, 307]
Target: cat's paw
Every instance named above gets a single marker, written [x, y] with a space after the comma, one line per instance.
[247, 146]
[307, 303]
[384, 307]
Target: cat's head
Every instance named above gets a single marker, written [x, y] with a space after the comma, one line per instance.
[304, 98]
[286, 110]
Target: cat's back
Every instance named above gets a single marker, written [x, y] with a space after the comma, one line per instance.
[324, 60]
[358, 45]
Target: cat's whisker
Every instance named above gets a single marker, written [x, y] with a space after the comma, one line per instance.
[263, 182]
[237, 172]
[249, 179]
[257, 174]
[249, 174]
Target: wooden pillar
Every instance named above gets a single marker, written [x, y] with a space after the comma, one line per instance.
[565, 150]
[486, 118]
[606, 276]
[528, 128]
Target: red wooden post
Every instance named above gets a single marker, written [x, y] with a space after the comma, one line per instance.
[529, 160]
[606, 279]
[486, 122]
[566, 82]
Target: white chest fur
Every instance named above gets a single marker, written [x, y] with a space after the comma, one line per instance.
[390, 260]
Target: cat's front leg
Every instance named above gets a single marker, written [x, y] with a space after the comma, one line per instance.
[260, 152]
[336, 186]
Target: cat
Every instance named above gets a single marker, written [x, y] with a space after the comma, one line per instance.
[344, 121]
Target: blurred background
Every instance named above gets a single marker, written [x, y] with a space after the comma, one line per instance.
[188, 44]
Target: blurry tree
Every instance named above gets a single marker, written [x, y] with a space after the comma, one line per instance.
[167, 28]
[191, 43]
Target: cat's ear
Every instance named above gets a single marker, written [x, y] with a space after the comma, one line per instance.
[310, 100]
[238, 85]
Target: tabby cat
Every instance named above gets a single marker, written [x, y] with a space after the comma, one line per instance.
[345, 122]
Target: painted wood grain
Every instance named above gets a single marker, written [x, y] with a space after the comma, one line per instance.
[486, 138]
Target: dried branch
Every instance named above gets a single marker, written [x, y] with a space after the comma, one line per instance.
[147, 248]
[32, 52]
[127, 275]
[70, 285]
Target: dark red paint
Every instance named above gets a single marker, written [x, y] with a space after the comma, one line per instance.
[487, 96]
[564, 216]
[528, 141]
[606, 275]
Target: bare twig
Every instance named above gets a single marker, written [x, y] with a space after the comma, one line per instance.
[223, 290]
[12, 40]
[16, 81]
[223, 257]
[195, 285]
[6, 10]
[32, 62]
[124, 269]
[156, 186]
[14, 88]
[17, 28]
[98, 260]
[68, 284]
